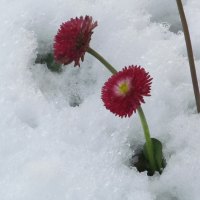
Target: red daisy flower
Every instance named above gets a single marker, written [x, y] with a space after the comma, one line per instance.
[72, 40]
[123, 93]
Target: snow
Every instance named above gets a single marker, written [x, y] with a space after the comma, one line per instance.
[51, 149]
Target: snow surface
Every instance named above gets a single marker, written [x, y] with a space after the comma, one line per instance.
[50, 150]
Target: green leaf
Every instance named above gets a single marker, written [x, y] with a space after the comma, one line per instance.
[158, 154]
[48, 59]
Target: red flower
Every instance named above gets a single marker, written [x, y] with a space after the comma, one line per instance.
[123, 93]
[72, 40]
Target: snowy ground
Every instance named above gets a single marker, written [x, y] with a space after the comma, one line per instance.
[50, 150]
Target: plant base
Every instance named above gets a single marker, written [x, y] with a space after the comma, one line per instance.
[139, 161]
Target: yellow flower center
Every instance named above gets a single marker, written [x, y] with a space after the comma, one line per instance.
[123, 88]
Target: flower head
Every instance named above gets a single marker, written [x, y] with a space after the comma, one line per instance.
[72, 40]
[123, 93]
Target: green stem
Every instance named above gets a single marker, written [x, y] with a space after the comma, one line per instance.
[190, 54]
[140, 111]
[148, 139]
[102, 60]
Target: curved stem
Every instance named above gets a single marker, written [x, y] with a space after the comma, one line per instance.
[190, 54]
[148, 139]
[140, 111]
[102, 60]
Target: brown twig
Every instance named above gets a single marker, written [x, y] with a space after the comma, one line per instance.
[190, 54]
